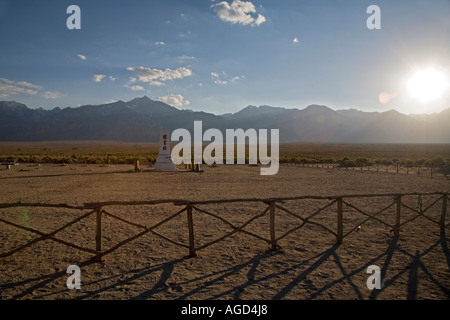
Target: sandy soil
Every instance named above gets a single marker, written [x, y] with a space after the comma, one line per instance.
[310, 265]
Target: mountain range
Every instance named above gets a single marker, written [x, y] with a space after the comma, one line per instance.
[141, 119]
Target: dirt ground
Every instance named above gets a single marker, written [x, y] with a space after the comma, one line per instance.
[310, 264]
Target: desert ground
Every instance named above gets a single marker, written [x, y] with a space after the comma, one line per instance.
[309, 265]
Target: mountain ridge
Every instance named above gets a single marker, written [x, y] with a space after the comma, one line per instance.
[141, 120]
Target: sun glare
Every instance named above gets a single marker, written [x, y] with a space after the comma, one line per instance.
[427, 85]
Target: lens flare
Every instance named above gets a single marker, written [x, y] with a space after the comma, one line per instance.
[384, 97]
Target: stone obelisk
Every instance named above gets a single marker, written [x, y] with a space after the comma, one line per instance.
[164, 161]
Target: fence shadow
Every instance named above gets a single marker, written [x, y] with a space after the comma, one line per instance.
[295, 274]
[42, 281]
[299, 274]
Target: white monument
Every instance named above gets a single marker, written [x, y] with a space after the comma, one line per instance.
[164, 161]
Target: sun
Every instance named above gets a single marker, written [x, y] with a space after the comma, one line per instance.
[427, 85]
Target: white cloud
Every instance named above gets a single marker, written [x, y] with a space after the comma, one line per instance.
[9, 88]
[223, 79]
[156, 83]
[260, 20]
[295, 40]
[234, 79]
[81, 56]
[134, 87]
[175, 100]
[137, 88]
[110, 101]
[160, 43]
[184, 34]
[185, 57]
[216, 78]
[156, 77]
[28, 85]
[98, 77]
[238, 12]
[6, 81]
[52, 95]
[101, 77]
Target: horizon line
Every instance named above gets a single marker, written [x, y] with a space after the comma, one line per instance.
[230, 113]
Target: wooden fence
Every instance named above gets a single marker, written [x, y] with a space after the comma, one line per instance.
[425, 171]
[334, 205]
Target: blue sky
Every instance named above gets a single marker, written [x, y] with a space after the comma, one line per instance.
[220, 56]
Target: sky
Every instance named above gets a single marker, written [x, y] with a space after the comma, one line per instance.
[220, 56]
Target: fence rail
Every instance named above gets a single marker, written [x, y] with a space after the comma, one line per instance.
[424, 170]
[272, 207]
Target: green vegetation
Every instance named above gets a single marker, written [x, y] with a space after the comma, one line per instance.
[91, 158]
[346, 155]
[95, 152]
[360, 155]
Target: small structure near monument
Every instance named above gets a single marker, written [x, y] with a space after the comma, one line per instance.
[137, 166]
[8, 164]
[164, 161]
[193, 167]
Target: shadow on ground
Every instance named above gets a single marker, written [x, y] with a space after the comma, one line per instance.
[166, 285]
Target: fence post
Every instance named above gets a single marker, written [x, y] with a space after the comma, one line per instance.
[398, 200]
[98, 235]
[340, 226]
[272, 226]
[137, 166]
[443, 213]
[191, 231]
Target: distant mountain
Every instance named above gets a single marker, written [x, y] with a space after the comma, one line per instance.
[141, 120]
[138, 120]
[321, 124]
